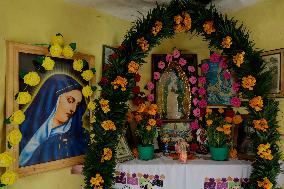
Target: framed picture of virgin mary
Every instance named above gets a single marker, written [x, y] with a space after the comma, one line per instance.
[53, 132]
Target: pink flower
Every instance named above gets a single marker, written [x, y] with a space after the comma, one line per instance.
[215, 58]
[176, 53]
[194, 125]
[201, 91]
[204, 68]
[202, 103]
[196, 112]
[169, 57]
[150, 97]
[161, 65]
[223, 64]
[227, 75]
[191, 69]
[150, 86]
[157, 75]
[182, 61]
[202, 80]
[193, 90]
[236, 87]
[192, 80]
[195, 101]
[235, 101]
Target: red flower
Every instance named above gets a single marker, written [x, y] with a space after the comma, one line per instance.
[138, 100]
[104, 81]
[137, 77]
[230, 113]
[106, 67]
[193, 147]
[113, 56]
[136, 90]
[159, 122]
[121, 47]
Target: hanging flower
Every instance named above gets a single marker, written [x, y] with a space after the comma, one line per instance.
[195, 101]
[194, 125]
[107, 155]
[67, 51]
[8, 178]
[176, 53]
[78, 65]
[157, 75]
[182, 61]
[97, 181]
[223, 64]
[202, 80]
[196, 112]
[87, 75]
[152, 109]
[238, 59]
[5, 159]
[108, 125]
[204, 68]
[133, 67]
[215, 58]
[208, 27]
[150, 86]
[201, 91]
[235, 101]
[169, 58]
[256, 103]
[193, 90]
[157, 28]
[161, 65]
[192, 80]
[260, 125]
[264, 151]
[87, 91]
[233, 153]
[91, 105]
[227, 75]
[32, 79]
[266, 184]
[248, 82]
[202, 103]
[55, 50]
[14, 137]
[191, 69]
[23, 97]
[236, 87]
[57, 39]
[143, 43]
[17, 117]
[48, 63]
[104, 105]
[120, 81]
[150, 97]
[227, 42]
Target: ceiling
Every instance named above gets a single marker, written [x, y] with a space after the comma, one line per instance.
[128, 9]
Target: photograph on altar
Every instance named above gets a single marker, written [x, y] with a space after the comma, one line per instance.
[107, 51]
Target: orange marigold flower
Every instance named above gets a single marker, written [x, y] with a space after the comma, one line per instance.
[221, 110]
[120, 81]
[107, 155]
[228, 119]
[152, 110]
[227, 129]
[260, 125]
[97, 181]
[152, 122]
[266, 184]
[157, 28]
[108, 125]
[237, 119]
[143, 43]
[186, 21]
[233, 153]
[264, 151]
[238, 59]
[178, 19]
[133, 67]
[141, 108]
[208, 27]
[178, 28]
[256, 103]
[104, 105]
[248, 82]
[138, 118]
[208, 111]
[209, 122]
[220, 129]
[227, 42]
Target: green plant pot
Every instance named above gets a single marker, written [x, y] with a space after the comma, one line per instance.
[219, 154]
[146, 152]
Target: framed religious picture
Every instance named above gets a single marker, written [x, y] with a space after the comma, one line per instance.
[107, 51]
[274, 60]
[53, 132]
[172, 87]
[123, 152]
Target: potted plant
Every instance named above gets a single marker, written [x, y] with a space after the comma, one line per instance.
[219, 131]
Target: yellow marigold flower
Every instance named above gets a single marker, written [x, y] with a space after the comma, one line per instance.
[208, 27]
[138, 118]
[209, 122]
[133, 67]
[186, 21]
[57, 40]
[220, 110]
[178, 19]
[87, 91]
[48, 63]
[237, 119]
[87, 75]
[120, 81]
[143, 43]
[23, 98]
[264, 151]
[152, 110]
[260, 125]
[78, 65]
[17, 117]
[148, 128]
[233, 153]
[55, 50]
[227, 42]
[228, 119]
[5, 159]
[266, 184]
[104, 105]
[157, 28]
[14, 137]
[108, 125]
[97, 181]
[256, 103]
[248, 82]
[107, 154]
[178, 28]
[220, 129]
[238, 59]
[91, 105]
[152, 122]
[67, 51]
[227, 129]
[9, 178]
[32, 79]
[141, 108]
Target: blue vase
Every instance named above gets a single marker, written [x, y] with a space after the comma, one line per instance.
[219, 154]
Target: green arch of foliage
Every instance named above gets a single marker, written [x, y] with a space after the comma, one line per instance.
[130, 51]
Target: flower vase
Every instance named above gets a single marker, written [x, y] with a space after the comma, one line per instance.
[219, 154]
[146, 152]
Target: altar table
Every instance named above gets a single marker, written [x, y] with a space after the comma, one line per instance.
[165, 173]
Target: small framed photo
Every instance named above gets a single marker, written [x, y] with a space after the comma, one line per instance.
[274, 59]
[107, 51]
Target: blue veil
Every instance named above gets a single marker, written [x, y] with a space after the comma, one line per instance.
[69, 144]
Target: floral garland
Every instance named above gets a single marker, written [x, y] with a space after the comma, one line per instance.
[32, 79]
[221, 33]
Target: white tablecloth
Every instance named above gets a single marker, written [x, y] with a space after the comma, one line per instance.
[165, 173]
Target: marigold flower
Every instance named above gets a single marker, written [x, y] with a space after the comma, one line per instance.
[78, 65]
[143, 43]
[152, 122]
[141, 108]
[256, 103]
[55, 50]
[220, 129]
[133, 67]
[260, 125]
[148, 128]
[87, 75]
[157, 28]
[227, 42]
[228, 119]
[104, 105]
[32, 79]
[238, 59]
[87, 91]
[233, 153]
[178, 28]
[91, 105]
[237, 119]
[5, 159]
[14, 137]
[264, 151]
[208, 27]
[209, 122]
[67, 51]
[178, 19]
[120, 81]
[208, 111]
[138, 118]
[48, 63]
[152, 109]
[186, 21]
[220, 110]
[108, 125]
[227, 129]
[23, 98]
[17, 117]
[97, 181]
[266, 184]
[8, 178]
[248, 82]
[107, 154]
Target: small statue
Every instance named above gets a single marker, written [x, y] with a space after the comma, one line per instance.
[166, 141]
[181, 148]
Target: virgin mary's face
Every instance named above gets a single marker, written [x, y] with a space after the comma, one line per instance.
[67, 106]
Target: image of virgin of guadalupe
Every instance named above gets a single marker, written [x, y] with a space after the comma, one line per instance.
[53, 126]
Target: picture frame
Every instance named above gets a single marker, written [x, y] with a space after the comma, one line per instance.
[107, 51]
[123, 152]
[274, 60]
[21, 56]
[181, 73]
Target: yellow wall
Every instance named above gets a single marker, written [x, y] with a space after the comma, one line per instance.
[33, 21]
